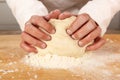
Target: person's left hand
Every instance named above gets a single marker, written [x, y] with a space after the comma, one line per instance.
[85, 30]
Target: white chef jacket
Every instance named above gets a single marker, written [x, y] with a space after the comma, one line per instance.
[102, 11]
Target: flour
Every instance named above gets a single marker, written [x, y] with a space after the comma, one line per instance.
[6, 71]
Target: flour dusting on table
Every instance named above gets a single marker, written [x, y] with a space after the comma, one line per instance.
[103, 62]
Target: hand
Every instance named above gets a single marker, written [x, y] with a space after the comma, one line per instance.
[37, 30]
[84, 29]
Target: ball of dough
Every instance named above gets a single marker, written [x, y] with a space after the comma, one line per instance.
[62, 44]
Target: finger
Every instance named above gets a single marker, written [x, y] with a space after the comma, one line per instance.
[53, 15]
[37, 33]
[97, 44]
[27, 47]
[65, 15]
[32, 41]
[83, 31]
[90, 37]
[80, 20]
[42, 23]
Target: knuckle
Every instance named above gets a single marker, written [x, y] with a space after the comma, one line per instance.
[91, 24]
[26, 26]
[99, 29]
[85, 16]
[34, 32]
[35, 18]
[28, 23]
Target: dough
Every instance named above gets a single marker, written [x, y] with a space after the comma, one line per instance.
[62, 44]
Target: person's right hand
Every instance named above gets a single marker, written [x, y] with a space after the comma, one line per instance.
[37, 30]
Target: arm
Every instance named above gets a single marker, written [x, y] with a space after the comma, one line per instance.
[24, 9]
[102, 11]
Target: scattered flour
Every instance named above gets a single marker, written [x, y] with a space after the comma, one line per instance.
[6, 71]
[92, 63]
[90, 60]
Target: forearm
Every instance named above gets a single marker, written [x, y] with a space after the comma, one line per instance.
[102, 11]
[24, 9]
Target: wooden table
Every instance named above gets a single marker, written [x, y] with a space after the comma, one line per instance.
[12, 69]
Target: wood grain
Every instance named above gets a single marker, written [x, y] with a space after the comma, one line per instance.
[11, 68]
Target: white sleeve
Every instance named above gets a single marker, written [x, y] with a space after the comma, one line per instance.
[24, 9]
[102, 11]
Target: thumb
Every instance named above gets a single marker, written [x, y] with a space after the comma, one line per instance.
[53, 15]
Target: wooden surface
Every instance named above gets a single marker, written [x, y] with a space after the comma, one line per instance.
[12, 69]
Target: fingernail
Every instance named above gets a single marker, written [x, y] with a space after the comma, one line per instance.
[73, 36]
[69, 31]
[53, 31]
[43, 46]
[48, 38]
[80, 44]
